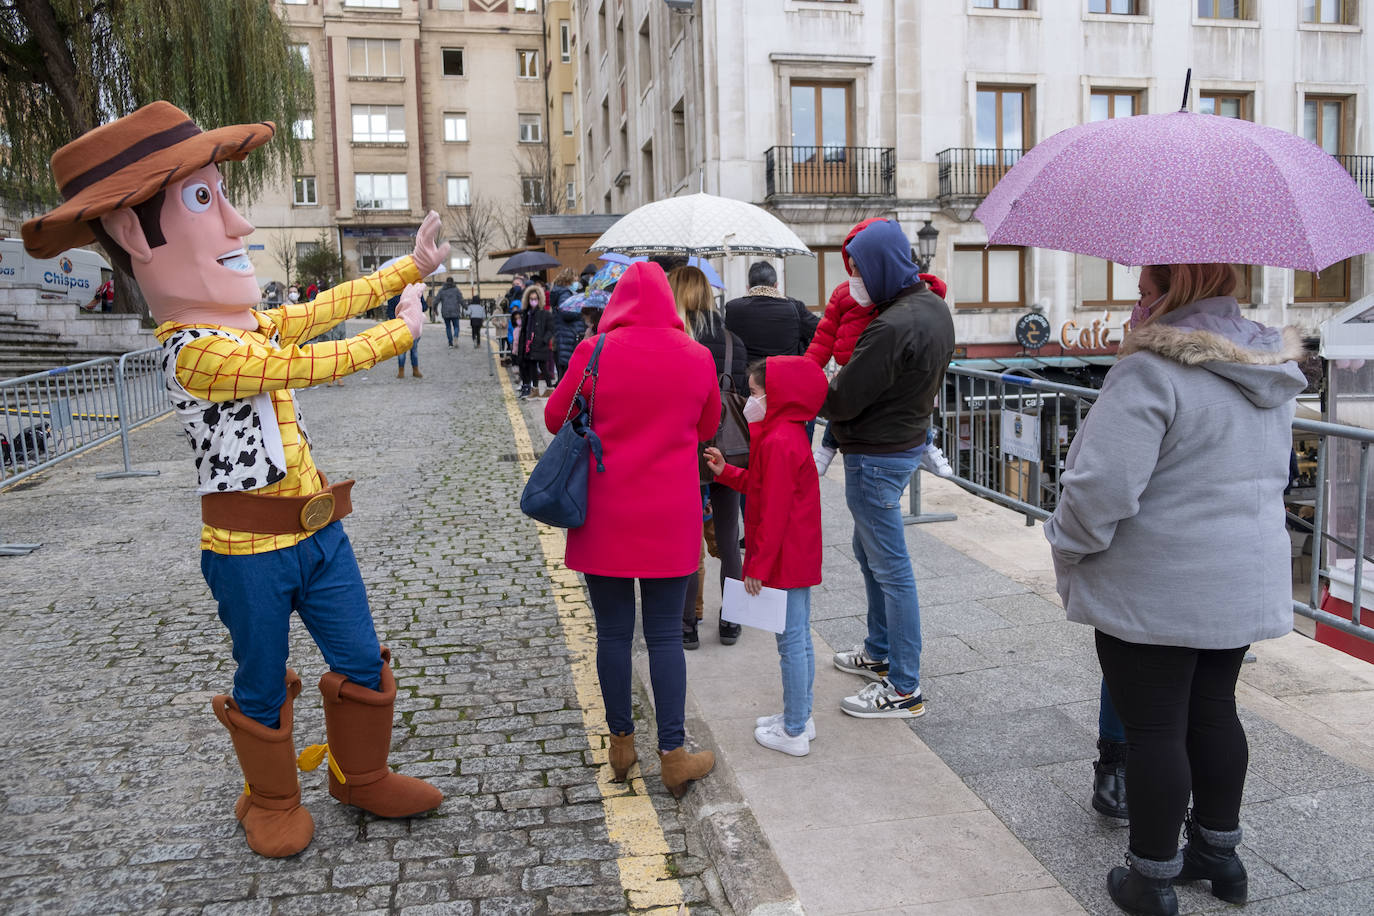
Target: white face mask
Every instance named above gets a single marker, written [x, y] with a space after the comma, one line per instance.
[859, 291]
[755, 408]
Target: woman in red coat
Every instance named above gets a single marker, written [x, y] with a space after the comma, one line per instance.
[656, 398]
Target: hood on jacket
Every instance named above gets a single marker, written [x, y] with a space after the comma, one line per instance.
[642, 299]
[795, 387]
[882, 255]
[1259, 360]
[844, 246]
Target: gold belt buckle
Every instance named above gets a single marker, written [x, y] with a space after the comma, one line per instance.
[317, 511]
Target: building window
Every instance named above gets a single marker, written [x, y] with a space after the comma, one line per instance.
[1224, 104]
[1106, 282]
[1323, 122]
[810, 279]
[453, 61]
[571, 192]
[305, 249]
[528, 64]
[1000, 4]
[531, 191]
[381, 192]
[527, 6]
[1112, 103]
[380, 57]
[820, 119]
[455, 127]
[531, 128]
[379, 124]
[304, 186]
[991, 277]
[646, 71]
[1223, 9]
[458, 191]
[1000, 119]
[565, 41]
[1339, 12]
[568, 114]
[295, 2]
[1115, 7]
[450, 4]
[302, 51]
[374, 4]
[304, 129]
[460, 262]
[1331, 285]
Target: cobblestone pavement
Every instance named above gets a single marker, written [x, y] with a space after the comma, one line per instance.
[117, 784]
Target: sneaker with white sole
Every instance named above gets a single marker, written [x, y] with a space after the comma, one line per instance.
[823, 454]
[776, 718]
[880, 700]
[854, 661]
[934, 461]
[775, 738]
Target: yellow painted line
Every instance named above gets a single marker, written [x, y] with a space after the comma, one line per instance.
[631, 821]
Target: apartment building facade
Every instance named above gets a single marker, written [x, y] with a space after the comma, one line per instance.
[420, 105]
[830, 111]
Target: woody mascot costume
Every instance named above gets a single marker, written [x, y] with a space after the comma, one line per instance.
[148, 187]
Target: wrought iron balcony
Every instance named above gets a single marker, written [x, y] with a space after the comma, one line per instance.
[831, 171]
[1361, 168]
[973, 172]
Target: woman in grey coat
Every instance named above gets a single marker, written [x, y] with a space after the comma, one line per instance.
[1169, 540]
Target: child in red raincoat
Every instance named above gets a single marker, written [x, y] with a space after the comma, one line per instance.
[782, 525]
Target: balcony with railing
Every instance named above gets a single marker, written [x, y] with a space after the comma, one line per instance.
[967, 172]
[1361, 168]
[831, 171]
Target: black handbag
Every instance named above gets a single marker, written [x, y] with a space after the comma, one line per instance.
[556, 493]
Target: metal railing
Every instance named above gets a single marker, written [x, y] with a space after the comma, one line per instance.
[1361, 168]
[831, 171]
[973, 172]
[980, 436]
[49, 416]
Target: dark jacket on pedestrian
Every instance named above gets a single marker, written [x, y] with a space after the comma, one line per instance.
[450, 301]
[557, 294]
[882, 400]
[711, 335]
[569, 328]
[770, 324]
[536, 331]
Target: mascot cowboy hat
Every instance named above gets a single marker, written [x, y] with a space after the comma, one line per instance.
[126, 162]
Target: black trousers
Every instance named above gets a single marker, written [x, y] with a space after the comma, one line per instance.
[725, 518]
[1179, 709]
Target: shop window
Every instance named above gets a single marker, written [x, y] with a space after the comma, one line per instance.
[991, 277]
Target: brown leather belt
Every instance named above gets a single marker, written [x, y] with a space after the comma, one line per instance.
[256, 514]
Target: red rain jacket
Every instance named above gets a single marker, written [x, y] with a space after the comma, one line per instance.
[782, 510]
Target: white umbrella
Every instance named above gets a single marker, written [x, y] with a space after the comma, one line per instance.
[703, 225]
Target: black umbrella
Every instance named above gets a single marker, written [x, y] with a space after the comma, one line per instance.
[527, 261]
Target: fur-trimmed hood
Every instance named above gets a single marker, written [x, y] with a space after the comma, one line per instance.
[1212, 334]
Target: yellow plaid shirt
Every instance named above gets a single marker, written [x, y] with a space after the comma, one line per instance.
[219, 369]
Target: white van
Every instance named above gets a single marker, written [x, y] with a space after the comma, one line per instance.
[76, 272]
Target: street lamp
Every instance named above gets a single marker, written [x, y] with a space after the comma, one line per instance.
[926, 237]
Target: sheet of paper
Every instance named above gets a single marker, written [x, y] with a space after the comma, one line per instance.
[767, 610]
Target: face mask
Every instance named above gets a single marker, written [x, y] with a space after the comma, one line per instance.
[754, 409]
[293, 296]
[1142, 312]
[859, 291]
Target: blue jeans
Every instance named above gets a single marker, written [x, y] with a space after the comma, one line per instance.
[414, 357]
[613, 604]
[873, 486]
[798, 661]
[1109, 727]
[451, 327]
[318, 579]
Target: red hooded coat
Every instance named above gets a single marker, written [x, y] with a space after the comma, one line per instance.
[656, 399]
[782, 509]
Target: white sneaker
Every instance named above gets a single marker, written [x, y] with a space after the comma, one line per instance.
[934, 460]
[823, 454]
[854, 661]
[776, 719]
[880, 700]
[775, 738]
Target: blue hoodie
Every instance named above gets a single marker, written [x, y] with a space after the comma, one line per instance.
[882, 255]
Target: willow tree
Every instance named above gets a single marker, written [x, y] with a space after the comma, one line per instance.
[67, 66]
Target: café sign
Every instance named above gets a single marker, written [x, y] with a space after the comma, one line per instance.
[1099, 335]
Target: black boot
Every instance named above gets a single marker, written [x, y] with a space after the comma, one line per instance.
[1147, 887]
[690, 640]
[1109, 779]
[1211, 856]
[729, 632]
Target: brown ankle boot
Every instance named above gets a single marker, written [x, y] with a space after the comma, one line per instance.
[270, 807]
[401, 372]
[415, 371]
[623, 755]
[358, 723]
[679, 768]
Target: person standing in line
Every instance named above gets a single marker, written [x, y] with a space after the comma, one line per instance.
[782, 524]
[567, 323]
[414, 350]
[476, 313]
[450, 308]
[536, 343]
[879, 407]
[1169, 540]
[643, 512]
[769, 323]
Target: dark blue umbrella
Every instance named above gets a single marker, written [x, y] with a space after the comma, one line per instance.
[528, 262]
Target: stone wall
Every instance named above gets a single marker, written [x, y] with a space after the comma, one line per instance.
[87, 330]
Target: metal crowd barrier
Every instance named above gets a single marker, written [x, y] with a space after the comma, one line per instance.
[977, 405]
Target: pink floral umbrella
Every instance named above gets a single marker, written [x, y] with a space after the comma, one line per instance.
[1182, 188]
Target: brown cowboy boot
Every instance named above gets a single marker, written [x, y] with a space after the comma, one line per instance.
[358, 723]
[678, 767]
[622, 755]
[270, 807]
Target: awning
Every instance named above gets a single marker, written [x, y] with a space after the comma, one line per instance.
[1003, 363]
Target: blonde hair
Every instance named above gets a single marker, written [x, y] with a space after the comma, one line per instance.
[565, 277]
[1181, 284]
[694, 299]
